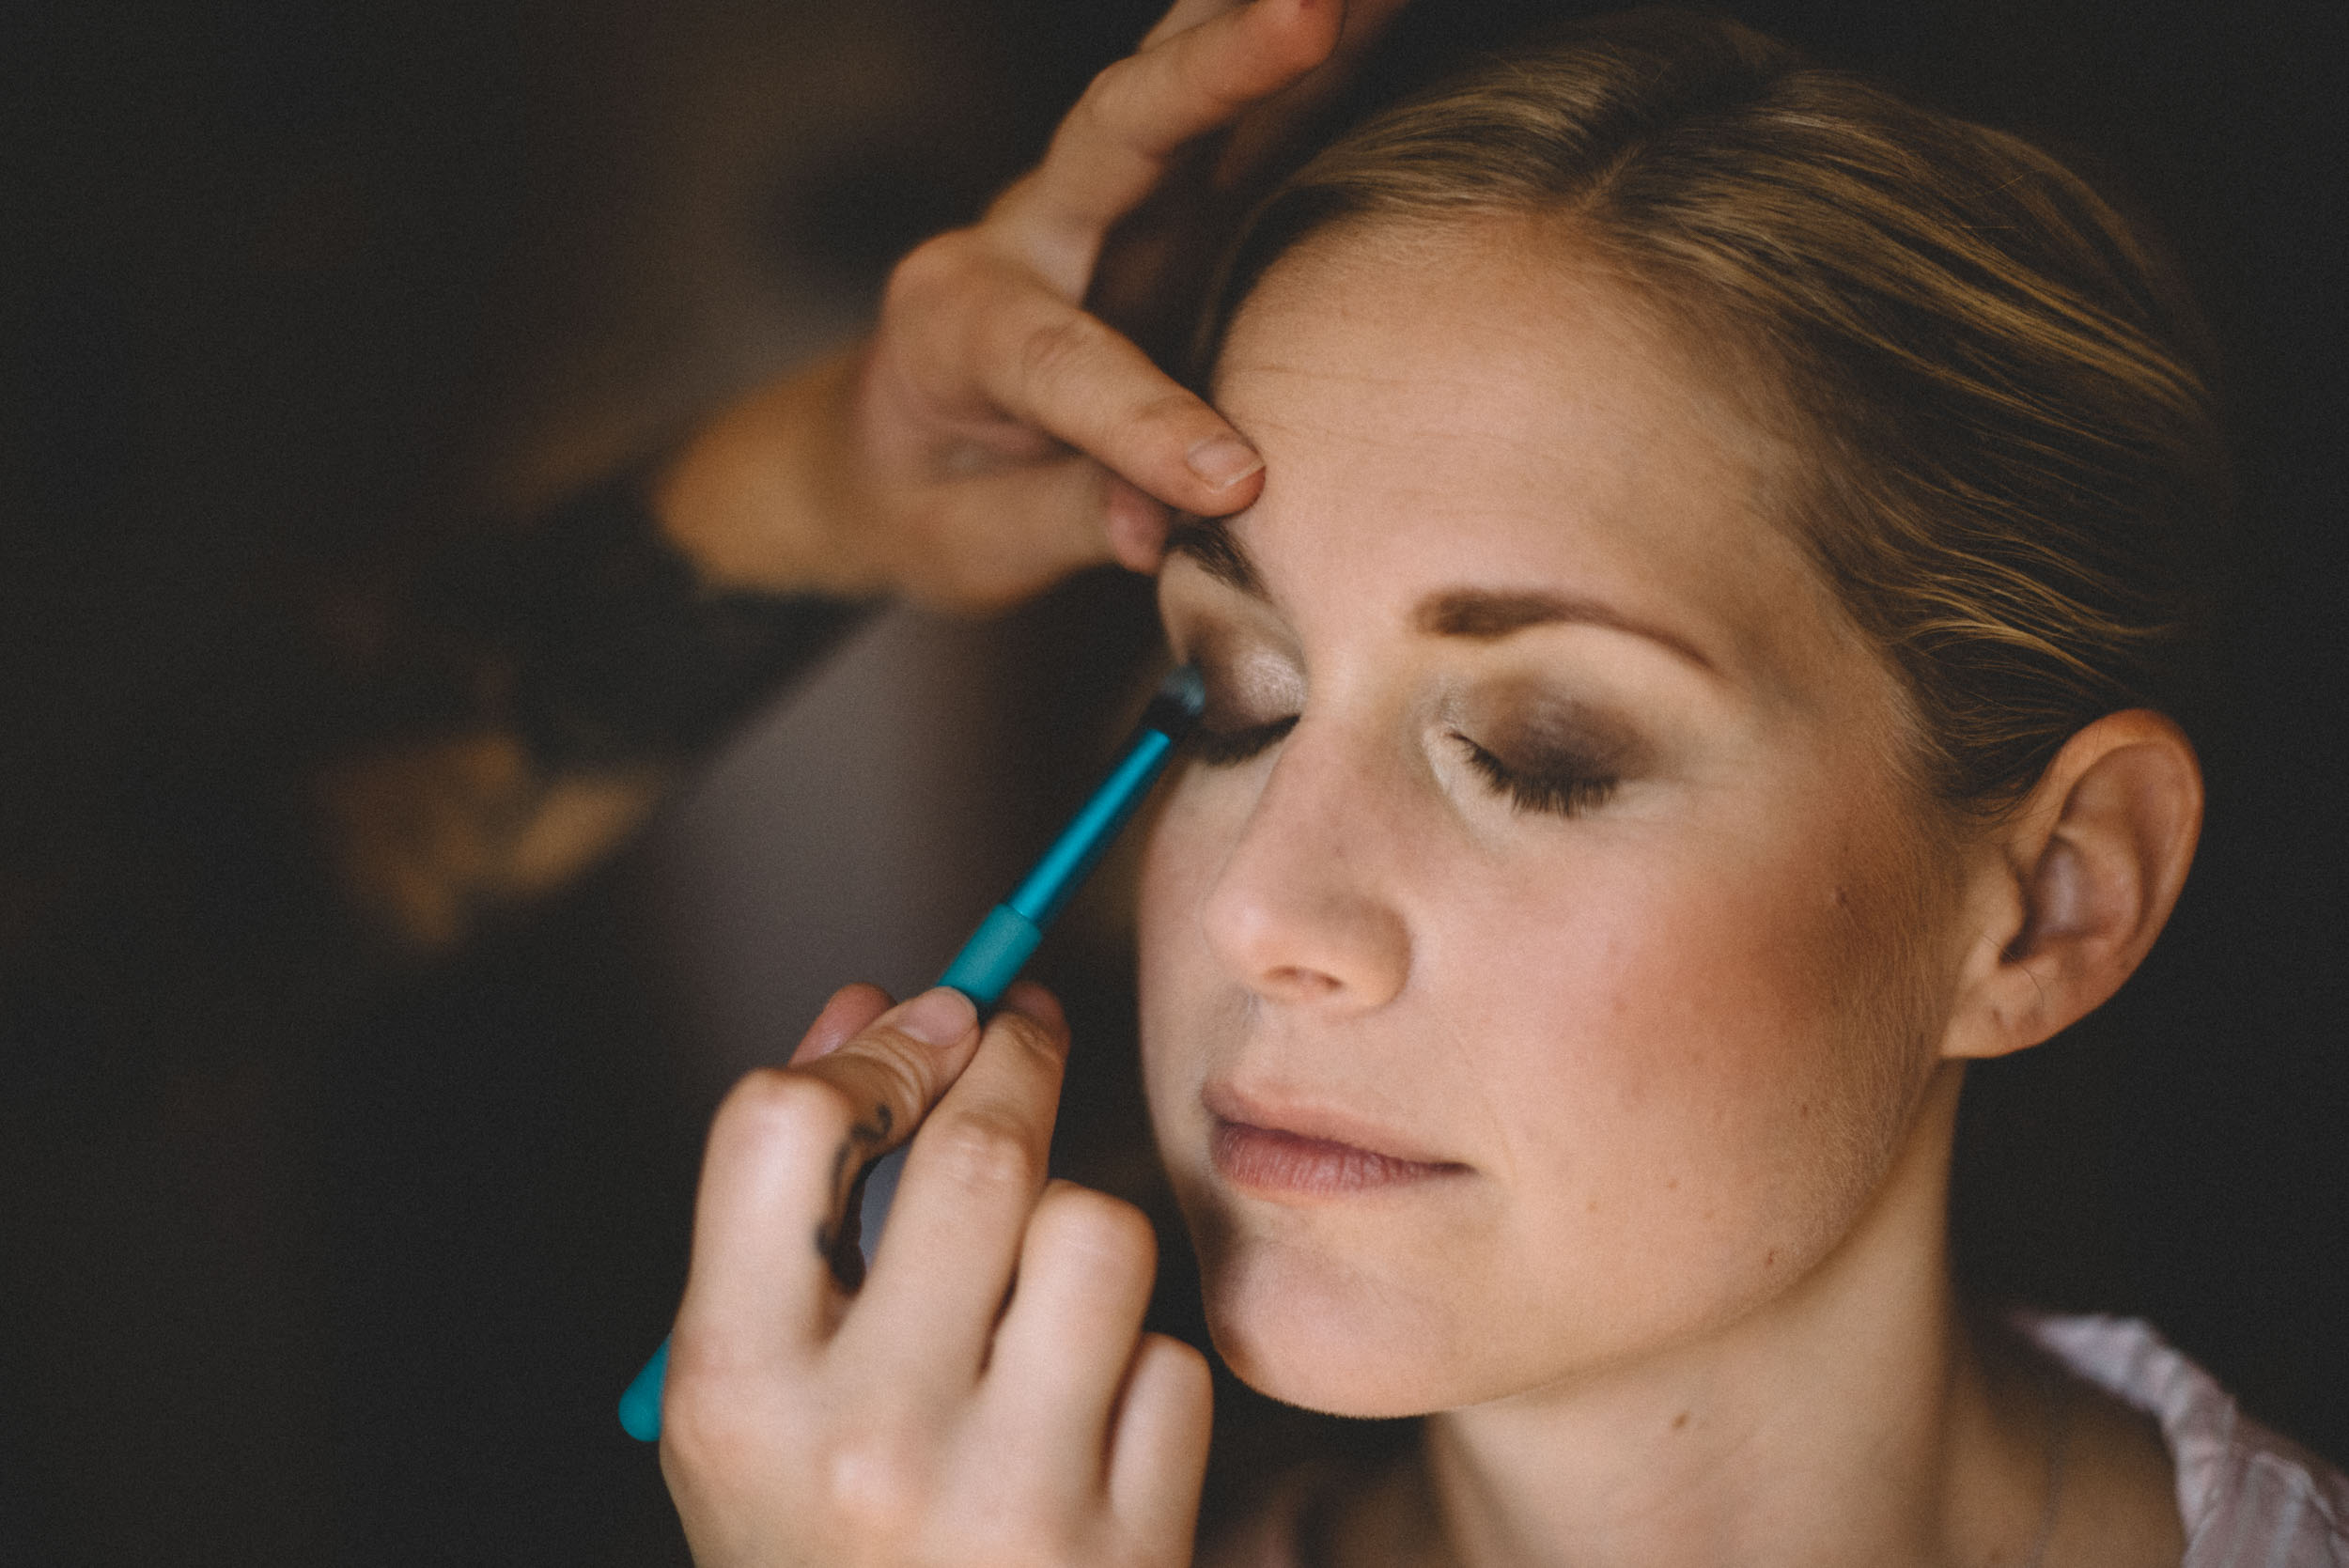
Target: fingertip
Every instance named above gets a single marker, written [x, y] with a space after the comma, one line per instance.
[846, 1013]
[1314, 27]
[1031, 1000]
[1178, 1362]
[1136, 527]
[1164, 1419]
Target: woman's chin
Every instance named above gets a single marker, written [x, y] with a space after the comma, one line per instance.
[1324, 1346]
[1314, 1380]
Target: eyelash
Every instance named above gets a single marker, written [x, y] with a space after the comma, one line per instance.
[1564, 788]
[1227, 748]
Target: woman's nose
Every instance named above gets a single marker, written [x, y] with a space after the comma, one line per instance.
[1302, 911]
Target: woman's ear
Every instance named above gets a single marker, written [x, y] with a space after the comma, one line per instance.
[2069, 894]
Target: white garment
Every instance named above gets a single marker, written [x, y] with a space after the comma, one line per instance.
[2249, 1498]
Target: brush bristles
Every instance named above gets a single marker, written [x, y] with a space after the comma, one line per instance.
[1181, 697]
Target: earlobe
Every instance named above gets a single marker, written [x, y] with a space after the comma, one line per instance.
[2089, 869]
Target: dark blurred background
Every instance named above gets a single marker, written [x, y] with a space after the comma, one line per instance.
[320, 1247]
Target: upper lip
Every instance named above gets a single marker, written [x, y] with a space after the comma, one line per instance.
[1275, 1112]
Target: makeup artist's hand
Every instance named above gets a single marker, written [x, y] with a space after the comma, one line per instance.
[921, 1418]
[994, 435]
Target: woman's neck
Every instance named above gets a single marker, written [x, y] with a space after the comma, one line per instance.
[1851, 1420]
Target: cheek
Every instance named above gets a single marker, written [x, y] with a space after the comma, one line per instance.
[1183, 844]
[1713, 1049]
[1681, 1055]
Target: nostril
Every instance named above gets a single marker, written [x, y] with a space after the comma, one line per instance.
[1301, 982]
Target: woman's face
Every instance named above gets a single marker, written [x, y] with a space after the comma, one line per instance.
[1542, 962]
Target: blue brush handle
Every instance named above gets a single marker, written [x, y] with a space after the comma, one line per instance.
[640, 1403]
[993, 956]
[1000, 948]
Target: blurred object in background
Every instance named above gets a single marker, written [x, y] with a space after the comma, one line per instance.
[328, 1239]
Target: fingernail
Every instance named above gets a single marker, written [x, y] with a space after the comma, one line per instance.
[939, 1016]
[1224, 460]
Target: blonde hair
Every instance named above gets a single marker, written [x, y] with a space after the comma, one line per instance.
[2014, 446]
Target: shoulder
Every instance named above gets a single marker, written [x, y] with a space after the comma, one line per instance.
[2245, 1495]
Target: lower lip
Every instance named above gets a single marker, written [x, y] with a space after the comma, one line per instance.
[1267, 1160]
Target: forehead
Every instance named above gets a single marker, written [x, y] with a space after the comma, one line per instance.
[1478, 404]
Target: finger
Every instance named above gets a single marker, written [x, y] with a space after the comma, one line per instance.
[1060, 1354]
[851, 1009]
[783, 1151]
[1137, 525]
[1159, 1445]
[970, 1178]
[1182, 17]
[1117, 143]
[1001, 537]
[1266, 128]
[1069, 515]
[1045, 362]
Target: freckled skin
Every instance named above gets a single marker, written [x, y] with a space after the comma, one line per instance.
[1678, 1039]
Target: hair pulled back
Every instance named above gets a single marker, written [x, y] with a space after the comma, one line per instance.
[2010, 444]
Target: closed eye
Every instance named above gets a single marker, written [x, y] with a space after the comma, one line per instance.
[1561, 786]
[1222, 748]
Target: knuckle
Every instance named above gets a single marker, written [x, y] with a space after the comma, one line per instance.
[981, 1150]
[1096, 108]
[704, 1432]
[1056, 354]
[898, 1081]
[876, 1479]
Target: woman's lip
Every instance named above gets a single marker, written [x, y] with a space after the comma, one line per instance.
[1308, 1151]
[1268, 1159]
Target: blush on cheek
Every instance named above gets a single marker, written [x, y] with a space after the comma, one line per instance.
[1731, 1062]
[1814, 1006]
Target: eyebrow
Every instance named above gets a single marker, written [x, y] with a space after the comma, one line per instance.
[1208, 543]
[1475, 615]
[1487, 615]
